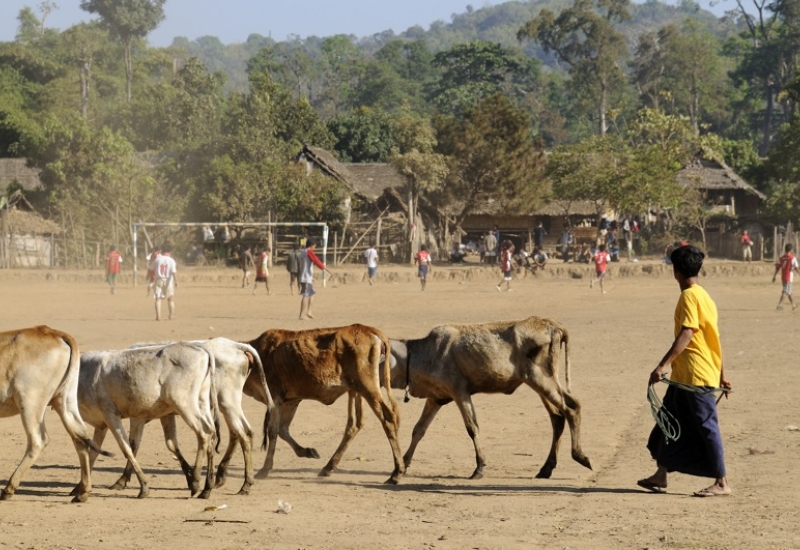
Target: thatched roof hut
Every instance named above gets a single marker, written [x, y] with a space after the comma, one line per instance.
[726, 190]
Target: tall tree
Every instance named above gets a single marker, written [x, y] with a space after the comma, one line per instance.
[127, 20]
[492, 159]
[585, 37]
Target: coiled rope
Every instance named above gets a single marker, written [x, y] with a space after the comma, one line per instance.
[668, 424]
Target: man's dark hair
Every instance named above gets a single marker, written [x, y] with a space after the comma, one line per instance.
[788, 247]
[312, 241]
[687, 260]
[166, 247]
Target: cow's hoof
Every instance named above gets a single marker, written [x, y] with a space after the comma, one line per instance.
[118, 485]
[5, 495]
[143, 492]
[392, 481]
[205, 495]
[220, 481]
[310, 453]
[76, 491]
[325, 472]
[83, 497]
[544, 473]
[582, 459]
[245, 490]
[262, 474]
[477, 474]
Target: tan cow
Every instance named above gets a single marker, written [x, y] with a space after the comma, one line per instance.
[151, 383]
[323, 364]
[39, 367]
[455, 361]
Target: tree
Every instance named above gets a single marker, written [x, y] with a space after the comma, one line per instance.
[492, 159]
[127, 20]
[83, 45]
[585, 37]
[474, 71]
[364, 135]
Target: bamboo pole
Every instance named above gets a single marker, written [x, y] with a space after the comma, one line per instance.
[364, 234]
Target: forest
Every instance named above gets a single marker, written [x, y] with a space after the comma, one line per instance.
[513, 105]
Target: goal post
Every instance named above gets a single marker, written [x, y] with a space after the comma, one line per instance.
[136, 226]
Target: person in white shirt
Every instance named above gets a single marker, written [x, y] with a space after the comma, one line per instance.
[371, 255]
[166, 280]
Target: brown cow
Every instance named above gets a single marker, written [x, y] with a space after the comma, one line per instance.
[39, 367]
[323, 364]
[455, 361]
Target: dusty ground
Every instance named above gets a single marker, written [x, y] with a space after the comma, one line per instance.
[617, 339]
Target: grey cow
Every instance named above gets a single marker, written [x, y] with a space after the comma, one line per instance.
[234, 362]
[146, 384]
[454, 362]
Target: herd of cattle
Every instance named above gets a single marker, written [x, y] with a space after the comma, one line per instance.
[198, 380]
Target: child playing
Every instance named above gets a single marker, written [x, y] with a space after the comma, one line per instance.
[424, 260]
[505, 266]
[787, 265]
[262, 270]
[600, 259]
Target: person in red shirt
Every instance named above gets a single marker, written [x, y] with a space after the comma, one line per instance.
[600, 259]
[747, 247]
[113, 261]
[505, 265]
[423, 258]
[787, 265]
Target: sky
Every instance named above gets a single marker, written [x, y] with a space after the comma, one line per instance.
[233, 21]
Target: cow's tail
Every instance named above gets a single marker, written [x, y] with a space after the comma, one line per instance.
[250, 350]
[212, 368]
[387, 374]
[68, 398]
[565, 342]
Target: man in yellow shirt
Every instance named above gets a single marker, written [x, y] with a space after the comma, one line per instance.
[696, 360]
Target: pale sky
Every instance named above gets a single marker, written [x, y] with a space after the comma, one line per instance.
[233, 20]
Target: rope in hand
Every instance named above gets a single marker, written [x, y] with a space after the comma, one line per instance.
[668, 424]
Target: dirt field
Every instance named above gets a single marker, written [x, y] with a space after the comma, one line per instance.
[616, 340]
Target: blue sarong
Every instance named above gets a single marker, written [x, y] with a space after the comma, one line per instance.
[698, 451]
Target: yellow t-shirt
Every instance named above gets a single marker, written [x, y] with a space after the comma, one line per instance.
[701, 362]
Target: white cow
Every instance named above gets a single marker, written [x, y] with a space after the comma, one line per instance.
[234, 362]
[151, 383]
[39, 367]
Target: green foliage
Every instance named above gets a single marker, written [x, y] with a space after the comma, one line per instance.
[492, 159]
[365, 135]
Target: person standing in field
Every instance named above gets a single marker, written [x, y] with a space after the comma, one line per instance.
[247, 264]
[600, 259]
[113, 261]
[787, 265]
[505, 265]
[371, 255]
[262, 270]
[166, 280]
[308, 259]
[539, 233]
[490, 247]
[423, 259]
[151, 275]
[293, 267]
[747, 247]
[697, 364]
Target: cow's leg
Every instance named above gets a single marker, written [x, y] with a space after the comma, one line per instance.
[241, 432]
[98, 437]
[33, 423]
[135, 437]
[355, 421]
[557, 420]
[288, 411]
[467, 409]
[201, 423]
[389, 420]
[550, 390]
[169, 425]
[118, 430]
[425, 419]
[272, 429]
